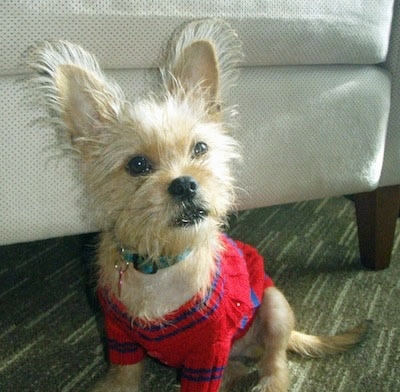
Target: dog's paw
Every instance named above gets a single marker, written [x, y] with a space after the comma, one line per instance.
[120, 379]
[261, 387]
[106, 386]
[270, 384]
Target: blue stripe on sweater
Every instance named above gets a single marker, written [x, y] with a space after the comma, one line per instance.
[123, 348]
[180, 329]
[203, 374]
[254, 299]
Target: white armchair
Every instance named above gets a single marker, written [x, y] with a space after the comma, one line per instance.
[318, 97]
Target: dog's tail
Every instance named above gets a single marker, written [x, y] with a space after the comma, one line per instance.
[317, 346]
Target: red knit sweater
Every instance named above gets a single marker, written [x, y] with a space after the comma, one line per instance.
[198, 336]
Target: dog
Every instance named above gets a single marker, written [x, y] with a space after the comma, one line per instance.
[158, 176]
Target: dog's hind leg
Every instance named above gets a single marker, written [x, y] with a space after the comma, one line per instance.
[124, 378]
[272, 329]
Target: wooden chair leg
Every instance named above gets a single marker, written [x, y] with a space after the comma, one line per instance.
[377, 214]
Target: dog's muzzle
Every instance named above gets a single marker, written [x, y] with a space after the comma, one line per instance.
[184, 190]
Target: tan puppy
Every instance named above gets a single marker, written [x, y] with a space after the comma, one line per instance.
[157, 173]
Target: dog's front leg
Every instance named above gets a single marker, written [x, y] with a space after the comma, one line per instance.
[121, 378]
[203, 371]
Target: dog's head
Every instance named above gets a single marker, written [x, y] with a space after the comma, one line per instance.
[157, 170]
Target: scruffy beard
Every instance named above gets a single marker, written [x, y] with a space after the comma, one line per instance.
[190, 213]
[186, 228]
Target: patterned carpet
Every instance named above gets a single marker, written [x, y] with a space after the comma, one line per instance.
[50, 337]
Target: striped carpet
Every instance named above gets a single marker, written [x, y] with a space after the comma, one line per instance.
[50, 337]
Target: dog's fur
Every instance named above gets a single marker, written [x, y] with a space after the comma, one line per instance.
[136, 210]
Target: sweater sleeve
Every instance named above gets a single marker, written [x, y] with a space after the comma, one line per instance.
[203, 371]
[122, 349]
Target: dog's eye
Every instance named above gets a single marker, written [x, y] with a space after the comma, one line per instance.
[199, 149]
[138, 166]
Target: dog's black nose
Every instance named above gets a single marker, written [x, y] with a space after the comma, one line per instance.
[184, 188]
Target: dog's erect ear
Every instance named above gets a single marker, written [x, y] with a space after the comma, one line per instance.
[203, 60]
[76, 91]
[197, 67]
[87, 104]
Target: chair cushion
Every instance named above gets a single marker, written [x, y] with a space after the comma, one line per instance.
[134, 33]
[391, 165]
[310, 132]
